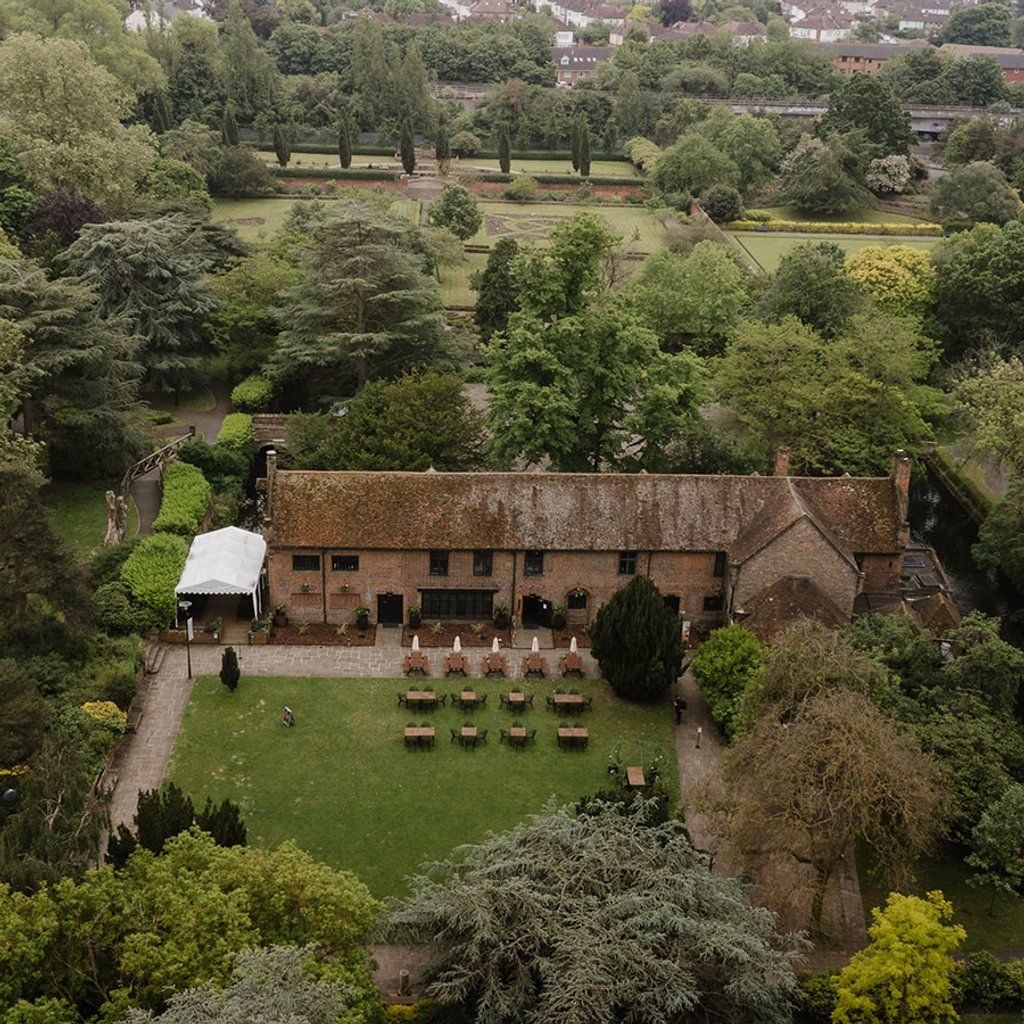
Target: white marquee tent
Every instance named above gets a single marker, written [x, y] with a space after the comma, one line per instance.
[227, 561]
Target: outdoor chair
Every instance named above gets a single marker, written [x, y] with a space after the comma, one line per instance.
[574, 691]
[442, 699]
[504, 737]
[481, 700]
[456, 735]
[588, 703]
[504, 700]
[403, 701]
[531, 736]
[481, 736]
[529, 700]
[551, 702]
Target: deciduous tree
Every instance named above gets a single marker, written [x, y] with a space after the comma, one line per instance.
[816, 177]
[898, 277]
[977, 191]
[458, 211]
[996, 843]
[867, 103]
[723, 667]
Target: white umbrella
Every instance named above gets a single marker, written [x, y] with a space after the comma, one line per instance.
[457, 646]
[572, 646]
[535, 647]
[496, 646]
[416, 642]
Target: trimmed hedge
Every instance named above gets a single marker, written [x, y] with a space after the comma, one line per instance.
[252, 394]
[810, 227]
[152, 572]
[517, 154]
[336, 173]
[237, 432]
[187, 496]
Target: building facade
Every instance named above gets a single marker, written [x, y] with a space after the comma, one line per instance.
[460, 545]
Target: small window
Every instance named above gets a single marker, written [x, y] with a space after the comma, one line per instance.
[483, 563]
[438, 563]
[627, 563]
[719, 563]
[344, 563]
[576, 600]
[534, 563]
[305, 563]
[713, 604]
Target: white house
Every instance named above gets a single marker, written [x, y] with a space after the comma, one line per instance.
[160, 13]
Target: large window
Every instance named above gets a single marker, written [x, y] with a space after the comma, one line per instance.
[438, 563]
[713, 604]
[719, 563]
[483, 563]
[627, 563]
[534, 563]
[457, 604]
[576, 600]
[305, 563]
[344, 563]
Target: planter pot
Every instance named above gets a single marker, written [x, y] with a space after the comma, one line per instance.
[362, 621]
[415, 621]
[280, 620]
[259, 639]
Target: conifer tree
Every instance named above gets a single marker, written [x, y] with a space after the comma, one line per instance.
[504, 150]
[345, 140]
[161, 815]
[637, 641]
[229, 128]
[281, 147]
[584, 155]
[496, 293]
[574, 144]
[610, 142]
[229, 670]
[407, 148]
[224, 822]
[442, 147]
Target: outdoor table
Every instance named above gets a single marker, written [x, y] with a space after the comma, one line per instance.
[571, 664]
[455, 662]
[415, 661]
[517, 736]
[635, 777]
[573, 737]
[534, 665]
[420, 734]
[468, 732]
[495, 664]
[517, 701]
[568, 699]
[420, 697]
[467, 699]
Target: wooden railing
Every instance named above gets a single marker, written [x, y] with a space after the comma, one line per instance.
[153, 461]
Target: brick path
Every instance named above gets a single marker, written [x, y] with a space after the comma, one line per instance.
[142, 758]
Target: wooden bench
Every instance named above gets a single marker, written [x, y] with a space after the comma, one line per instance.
[134, 718]
[415, 662]
[635, 777]
[571, 664]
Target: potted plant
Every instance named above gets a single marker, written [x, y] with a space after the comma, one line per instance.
[259, 632]
[363, 617]
[280, 616]
[214, 626]
[501, 617]
[306, 588]
[558, 617]
[414, 616]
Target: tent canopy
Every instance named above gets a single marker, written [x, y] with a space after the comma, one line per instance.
[225, 561]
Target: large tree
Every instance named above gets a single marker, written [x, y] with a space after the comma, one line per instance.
[577, 378]
[63, 114]
[1001, 536]
[977, 191]
[150, 276]
[898, 277]
[596, 917]
[867, 103]
[997, 841]
[495, 287]
[365, 306]
[694, 164]
[724, 666]
[838, 774]
[817, 177]
[458, 211]
[988, 24]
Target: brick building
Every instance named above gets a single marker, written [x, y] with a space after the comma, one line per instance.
[459, 545]
[1009, 58]
[849, 58]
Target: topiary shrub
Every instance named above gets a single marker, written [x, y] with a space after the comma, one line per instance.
[637, 641]
[722, 204]
[237, 431]
[187, 496]
[152, 572]
[253, 394]
[722, 668]
[464, 144]
[522, 189]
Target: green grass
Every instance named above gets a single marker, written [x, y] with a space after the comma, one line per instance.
[78, 512]
[862, 216]
[990, 1018]
[598, 168]
[455, 280]
[641, 229]
[1002, 929]
[328, 160]
[342, 784]
[768, 249]
[258, 220]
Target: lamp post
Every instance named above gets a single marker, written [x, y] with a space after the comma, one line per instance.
[186, 608]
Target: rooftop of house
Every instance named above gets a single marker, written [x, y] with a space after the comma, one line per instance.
[871, 51]
[786, 601]
[745, 28]
[580, 57]
[683, 29]
[577, 511]
[1004, 56]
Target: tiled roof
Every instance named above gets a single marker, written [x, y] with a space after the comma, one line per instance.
[786, 601]
[1005, 56]
[574, 511]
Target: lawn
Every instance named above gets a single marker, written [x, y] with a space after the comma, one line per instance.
[598, 168]
[343, 785]
[1002, 929]
[455, 280]
[766, 249]
[865, 215]
[641, 229]
[257, 220]
[329, 160]
[78, 513]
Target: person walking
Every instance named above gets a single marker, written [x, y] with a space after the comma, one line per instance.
[679, 705]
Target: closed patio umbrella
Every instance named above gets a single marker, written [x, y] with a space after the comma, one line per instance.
[416, 642]
[495, 646]
[572, 646]
[457, 646]
[535, 646]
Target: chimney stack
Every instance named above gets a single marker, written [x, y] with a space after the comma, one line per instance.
[900, 472]
[782, 460]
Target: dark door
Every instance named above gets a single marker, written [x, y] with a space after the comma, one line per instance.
[389, 609]
[536, 612]
[672, 602]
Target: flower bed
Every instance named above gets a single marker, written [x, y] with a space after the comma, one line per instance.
[431, 637]
[563, 637]
[323, 634]
[815, 228]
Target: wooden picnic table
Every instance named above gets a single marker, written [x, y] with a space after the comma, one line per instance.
[635, 777]
[516, 700]
[571, 664]
[568, 699]
[572, 737]
[420, 734]
[518, 732]
[467, 695]
[420, 695]
[415, 661]
[468, 732]
[534, 665]
[455, 663]
[495, 664]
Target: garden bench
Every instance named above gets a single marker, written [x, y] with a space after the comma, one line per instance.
[134, 718]
[455, 664]
[571, 664]
[495, 664]
[534, 665]
[635, 777]
[415, 662]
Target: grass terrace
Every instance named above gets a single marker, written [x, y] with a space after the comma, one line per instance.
[766, 250]
[455, 280]
[343, 785]
[866, 215]
[258, 220]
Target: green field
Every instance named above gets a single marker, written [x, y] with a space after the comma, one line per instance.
[599, 168]
[862, 216]
[455, 280]
[342, 784]
[640, 229]
[767, 248]
[329, 160]
[257, 220]
[78, 513]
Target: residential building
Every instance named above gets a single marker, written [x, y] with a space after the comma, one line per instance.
[851, 58]
[1009, 59]
[581, 13]
[493, 10]
[822, 28]
[160, 14]
[576, 63]
[745, 32]
[459, 545]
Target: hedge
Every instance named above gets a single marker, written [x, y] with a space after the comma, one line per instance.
[187, 496]
[237, 432]
[517, 154]
[810, 227]
[152, 572]
[252, 394]
[336, 173]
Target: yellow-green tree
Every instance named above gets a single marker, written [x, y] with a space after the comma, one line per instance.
[904, 973]
[898, 277]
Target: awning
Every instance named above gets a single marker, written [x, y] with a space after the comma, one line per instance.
[227, 561]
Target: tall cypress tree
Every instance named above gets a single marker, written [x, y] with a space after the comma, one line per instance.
[281, 147]
[585, 150]
[610, 142]
[229, 128]
[442, 147]
[407, 149]
[574, 144]
[504, 150]
[224, 822]
[230, 673]
[345, 140]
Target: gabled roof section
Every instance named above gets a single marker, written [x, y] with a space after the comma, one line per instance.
[788, 600]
